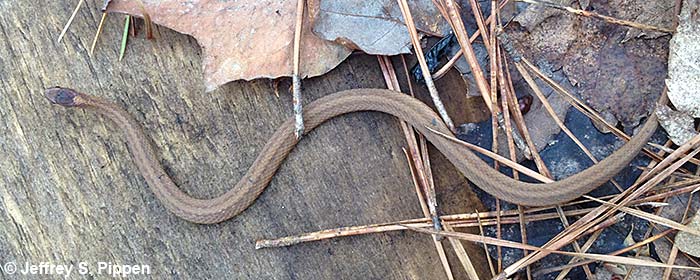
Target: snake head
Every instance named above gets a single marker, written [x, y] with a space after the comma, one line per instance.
[63, 96]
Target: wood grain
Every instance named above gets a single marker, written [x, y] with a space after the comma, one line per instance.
[70, 193]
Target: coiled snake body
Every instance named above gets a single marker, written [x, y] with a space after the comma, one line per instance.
[406, 108]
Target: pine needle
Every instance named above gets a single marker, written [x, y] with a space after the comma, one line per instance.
[125, 37]
[70, 20]
[511, 244]
[408, 19]
[97, 34]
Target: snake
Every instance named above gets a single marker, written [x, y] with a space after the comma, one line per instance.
[406, 108]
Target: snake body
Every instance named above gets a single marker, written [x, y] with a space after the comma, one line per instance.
[406, 108]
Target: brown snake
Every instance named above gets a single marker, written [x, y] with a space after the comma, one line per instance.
[406, 108]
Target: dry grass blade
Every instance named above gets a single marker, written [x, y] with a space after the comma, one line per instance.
[674, 250]
[486, 249]
[481, 25]
[586, 246]
[456, 220]
[577, 248]
[517, 114]
[511, 142]
[408, 19]
[424, 180]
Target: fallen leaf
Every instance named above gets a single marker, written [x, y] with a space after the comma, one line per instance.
[531, 17]
[242, 39]
[655, 13]
[622, 81]
[375, 27]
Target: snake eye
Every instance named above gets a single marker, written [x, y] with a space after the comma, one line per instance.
[61, 96]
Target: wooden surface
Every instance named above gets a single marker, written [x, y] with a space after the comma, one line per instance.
[70, 192]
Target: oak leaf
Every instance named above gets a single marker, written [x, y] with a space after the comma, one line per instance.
[242, 39]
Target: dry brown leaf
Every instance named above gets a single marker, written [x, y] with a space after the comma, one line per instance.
[375, 27]
[656, 13]
[242, 39]
[619, 80]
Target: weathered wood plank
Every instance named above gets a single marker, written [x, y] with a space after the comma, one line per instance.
[70, 192]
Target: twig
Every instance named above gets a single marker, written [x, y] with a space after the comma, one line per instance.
[296, 79]
[408, 19]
